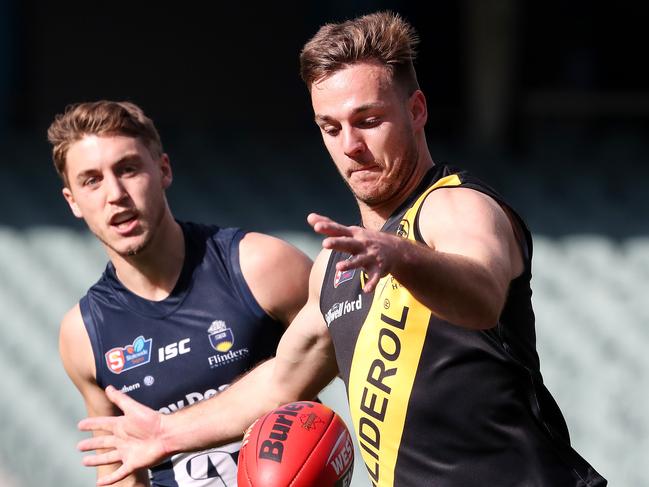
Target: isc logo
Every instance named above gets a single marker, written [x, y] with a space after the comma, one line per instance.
[173, 350]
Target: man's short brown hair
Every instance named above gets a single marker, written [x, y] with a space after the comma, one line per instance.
[382, 37]
[99, 118]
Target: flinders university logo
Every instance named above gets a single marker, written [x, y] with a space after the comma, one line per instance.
[222, 340]
[121, 359]
[221, 337]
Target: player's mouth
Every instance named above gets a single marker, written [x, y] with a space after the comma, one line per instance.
[124, 222]
[364, 171]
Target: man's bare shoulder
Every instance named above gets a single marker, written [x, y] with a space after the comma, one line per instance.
[75, 347]
[262, 252]
[71, 324]
[461, 201]
[276, 272]
[462, 210]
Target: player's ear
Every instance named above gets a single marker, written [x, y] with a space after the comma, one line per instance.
[418, 109]
[69, 197]
[165, 168]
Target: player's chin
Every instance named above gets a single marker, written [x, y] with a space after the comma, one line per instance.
[366, 190]
[131, 247]
[371, 195]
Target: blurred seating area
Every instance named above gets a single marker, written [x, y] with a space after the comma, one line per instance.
[591, 268]
[563, 182]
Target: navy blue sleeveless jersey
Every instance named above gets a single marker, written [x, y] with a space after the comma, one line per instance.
[435, 404]
[188, 347]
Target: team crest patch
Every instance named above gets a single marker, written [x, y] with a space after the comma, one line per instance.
[121, 359]
[404, 228]
[221, 337]
[343, 276]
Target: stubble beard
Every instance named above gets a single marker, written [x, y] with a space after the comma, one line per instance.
[384, 191]
[149, 233]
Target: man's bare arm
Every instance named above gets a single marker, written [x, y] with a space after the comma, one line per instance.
[277, 274]
[78, 360]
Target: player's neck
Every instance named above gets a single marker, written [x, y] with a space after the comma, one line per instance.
[153, 273]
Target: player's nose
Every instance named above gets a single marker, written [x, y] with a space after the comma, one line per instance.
[115, 189]
[353, 143]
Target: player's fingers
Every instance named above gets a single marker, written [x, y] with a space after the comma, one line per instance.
[332, 229]
[105, 458]
[98, 423]
[355, 261]
[326, 226]
[97, 442]
[343, 244]
[116, 476]
[367, 260]
[120, 399]
[314, 218]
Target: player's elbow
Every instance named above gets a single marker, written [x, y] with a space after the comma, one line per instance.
[488, 310]
[483, 312]
[487, 318]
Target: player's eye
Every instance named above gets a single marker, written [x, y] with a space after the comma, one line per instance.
[90, 181]
[370, 122]
[330, 130]
[127, 169]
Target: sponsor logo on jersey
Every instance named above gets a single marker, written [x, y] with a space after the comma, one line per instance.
[130, 388]
[214, 464]
[149, 380]
[227, 358]
[221, 337]
[121, 359]
[191, 398]
[216, 467]
[173, 350]
[342, 308]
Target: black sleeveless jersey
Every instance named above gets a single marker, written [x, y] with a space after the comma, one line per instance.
[188, 347]
[435, 404]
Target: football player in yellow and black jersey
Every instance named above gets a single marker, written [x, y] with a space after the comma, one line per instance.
[424, 309]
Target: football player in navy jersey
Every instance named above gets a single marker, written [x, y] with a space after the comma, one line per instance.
[182, 309]
[424, 309]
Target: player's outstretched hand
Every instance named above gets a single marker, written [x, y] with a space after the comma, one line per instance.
[374, 252]
[132, 439]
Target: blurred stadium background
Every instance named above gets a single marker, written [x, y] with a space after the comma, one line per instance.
[547, 101]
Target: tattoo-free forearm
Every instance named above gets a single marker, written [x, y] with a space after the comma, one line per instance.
[454, 287]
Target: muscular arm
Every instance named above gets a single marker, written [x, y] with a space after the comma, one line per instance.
[78, 361]
[277, 274]
[304, 364]
[463, 272]
[472, 248]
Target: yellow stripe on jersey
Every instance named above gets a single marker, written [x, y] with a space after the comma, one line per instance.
[385, 362]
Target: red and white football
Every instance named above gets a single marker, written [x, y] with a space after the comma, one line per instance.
[300, 444]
